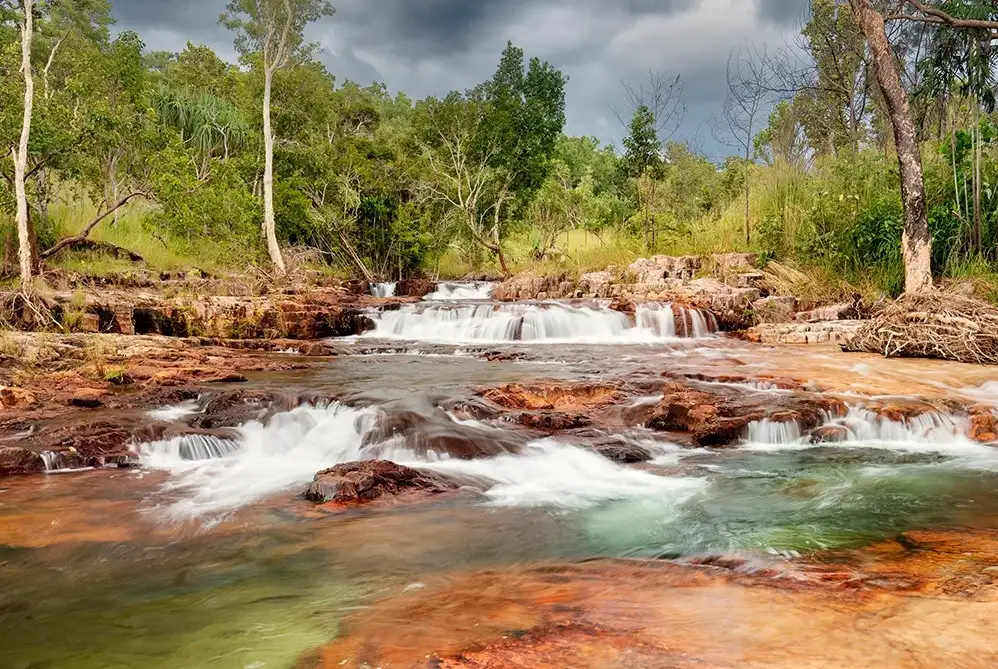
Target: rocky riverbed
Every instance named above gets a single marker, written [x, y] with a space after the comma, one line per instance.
[603, 479]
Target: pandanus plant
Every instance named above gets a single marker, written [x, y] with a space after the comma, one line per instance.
[207, 123]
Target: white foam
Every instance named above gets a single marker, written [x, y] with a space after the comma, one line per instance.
[549, 473]
[544, 322]
[383, 289]
[457, 290]
[929, 433]
[174, 413]
[287, 452]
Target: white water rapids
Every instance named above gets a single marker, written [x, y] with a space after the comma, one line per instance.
[293, 446]
[211, 476]
[456, 291]
[543, 322]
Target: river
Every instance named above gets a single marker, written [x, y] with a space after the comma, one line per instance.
[207, 556]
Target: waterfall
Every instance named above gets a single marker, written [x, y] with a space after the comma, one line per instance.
[545, 322]
[383, 289]
[454, 290]
[861, 428]
[285, 453]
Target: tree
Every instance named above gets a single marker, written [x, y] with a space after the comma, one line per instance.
[643, 162]
[464, 178]
[523, 114]
[21, 151]
[916, 242]
[664, 96]
[272, 30]
[749, 90]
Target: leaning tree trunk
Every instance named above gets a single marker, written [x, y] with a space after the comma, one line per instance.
[21, 154]
[916, 242]
[269, 223]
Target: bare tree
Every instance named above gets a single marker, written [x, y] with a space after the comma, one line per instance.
[749, 97]
[20, 152]
[664, 95]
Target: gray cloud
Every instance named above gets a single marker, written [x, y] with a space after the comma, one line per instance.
[432, 46]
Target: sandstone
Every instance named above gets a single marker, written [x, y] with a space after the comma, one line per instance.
[803, 333]
[15, 397]
[984, 428]
[568, 397]
[722, 418]
[774, 309]
[15, 460]
[835, 312]
[723, 264]
[414, 288]
[358, 482]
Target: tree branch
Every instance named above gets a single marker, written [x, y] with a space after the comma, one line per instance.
[934, 15]
[76, 239]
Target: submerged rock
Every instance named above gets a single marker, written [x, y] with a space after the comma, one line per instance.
[358, 482]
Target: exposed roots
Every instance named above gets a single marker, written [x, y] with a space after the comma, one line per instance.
[932, 325]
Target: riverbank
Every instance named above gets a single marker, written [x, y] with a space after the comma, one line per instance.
[329, 502]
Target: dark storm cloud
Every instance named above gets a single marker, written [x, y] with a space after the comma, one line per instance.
[428, 47]
[783, 12]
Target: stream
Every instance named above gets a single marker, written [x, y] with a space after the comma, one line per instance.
[207, 555]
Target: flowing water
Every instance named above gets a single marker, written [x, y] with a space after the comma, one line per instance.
[206, 556]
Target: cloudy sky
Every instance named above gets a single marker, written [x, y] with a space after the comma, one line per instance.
[432, 46]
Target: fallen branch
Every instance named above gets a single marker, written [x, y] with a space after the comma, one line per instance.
[932, 325]
[76, 239]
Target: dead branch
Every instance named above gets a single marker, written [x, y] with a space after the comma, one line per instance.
[76, 239]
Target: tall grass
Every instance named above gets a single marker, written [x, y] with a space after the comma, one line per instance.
[132, 231]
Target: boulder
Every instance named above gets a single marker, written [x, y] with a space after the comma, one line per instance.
[722, 418]
[359, 482]
[657, 268]
[414, 288]
[15, 460]
[723, 264]
[835, 312]
[576, 397]
[984, 427]
[596, 284]
[775, 309]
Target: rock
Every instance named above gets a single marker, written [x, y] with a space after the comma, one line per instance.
[88, 398]
[621, 450]
[657, 268]
[577, 397]
[803, 333]
[835, 312]
[552, 421]
[723, 264]
[527, 286]
[15, 460]
[15, 397]
[722, 418]
[829, 434]
[774, 309]
[414, 288]
[359, 482]
[984, 428]
[428, 429]
[596, 283]
[746, 280]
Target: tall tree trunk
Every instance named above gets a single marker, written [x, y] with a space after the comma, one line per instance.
[916, 242]
[21, 154]
[269, 224]
[748, 172]
[502, 262]
[977, 175]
